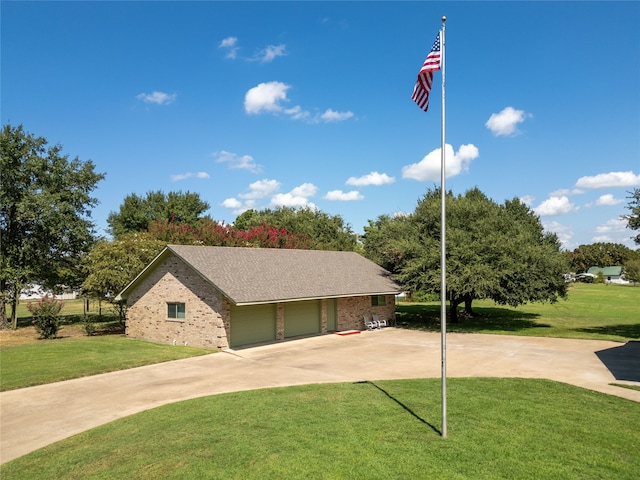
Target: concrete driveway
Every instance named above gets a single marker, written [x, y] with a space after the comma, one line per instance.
[34, 417]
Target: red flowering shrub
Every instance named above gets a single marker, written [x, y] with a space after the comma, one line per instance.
[211, 233]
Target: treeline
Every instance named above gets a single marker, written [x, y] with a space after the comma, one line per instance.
[143, 226]
[495, 251]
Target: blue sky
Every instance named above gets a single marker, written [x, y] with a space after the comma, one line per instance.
[261, 104]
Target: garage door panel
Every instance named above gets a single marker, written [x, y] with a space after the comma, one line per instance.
[253, 324]
[301, 318]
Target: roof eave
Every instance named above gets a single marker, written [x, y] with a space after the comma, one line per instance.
[303, 299]
[133, 283]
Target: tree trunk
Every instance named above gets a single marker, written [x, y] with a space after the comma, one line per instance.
[14, 312]
[4, 324]
[467, 306]
[453, 311]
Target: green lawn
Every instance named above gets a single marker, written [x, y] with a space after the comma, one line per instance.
[594, 311]
[498, 428]
[64, 358]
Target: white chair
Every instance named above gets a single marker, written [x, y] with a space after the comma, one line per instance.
[380, 323]
[371, 325]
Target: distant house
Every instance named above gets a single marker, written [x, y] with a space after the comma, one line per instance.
[36, 292]
[221, 297]
[610, 274]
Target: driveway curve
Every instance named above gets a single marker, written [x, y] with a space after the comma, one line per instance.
[31, 418]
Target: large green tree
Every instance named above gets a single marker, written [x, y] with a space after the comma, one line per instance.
[632, 271]
[633, 218]
[45, 209]
[390, 241]
[111, 265]
[136, 212]
[499, 252]
[327, 232]
[601, 254]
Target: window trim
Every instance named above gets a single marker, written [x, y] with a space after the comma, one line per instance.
[378, 300]
[177, 311]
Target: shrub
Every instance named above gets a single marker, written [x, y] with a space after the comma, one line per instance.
[424, 297]
[89, 326]
[46, 315]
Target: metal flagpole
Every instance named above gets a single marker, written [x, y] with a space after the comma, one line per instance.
[443, 249]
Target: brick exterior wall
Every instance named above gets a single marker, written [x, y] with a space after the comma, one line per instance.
[351, 311]
[207, 319]
[206, 322]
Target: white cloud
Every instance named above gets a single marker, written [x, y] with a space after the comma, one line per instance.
[237, 206]
[602, 239]
[298, 197]
[429, 167]
[555, 206]
[608, 199]
[242, 162]
[265, 55]
[399, 213]
[506, 122]
[230, 44]
[184, 176]
[271, 97]
[180, 176]
[269, 53]
[305, 190]
[297, 113]
[614, 231]
[331, 116]
[341, 196]
[564, 233]
[527, 199]
[159, 98]
[608, 180]
[266, 97]
[566, 191]
[261, 189]
[232, 203]
[613, 225]
[373, 178]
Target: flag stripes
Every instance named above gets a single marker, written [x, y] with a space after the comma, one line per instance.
[425, 76]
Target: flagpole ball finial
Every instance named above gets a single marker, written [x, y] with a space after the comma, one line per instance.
[444, 19]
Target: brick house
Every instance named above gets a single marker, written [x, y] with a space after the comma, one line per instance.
[222, 297]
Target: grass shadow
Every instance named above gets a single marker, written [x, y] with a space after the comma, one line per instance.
[406, 408]
[427, 317]
[627, 331]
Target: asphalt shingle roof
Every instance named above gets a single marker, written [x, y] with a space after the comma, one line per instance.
[264, 275]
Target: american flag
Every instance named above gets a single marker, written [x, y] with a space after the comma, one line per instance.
[425, 76]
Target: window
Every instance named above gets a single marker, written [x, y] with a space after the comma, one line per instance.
[378, 300]
[175, 310]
